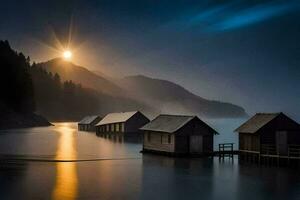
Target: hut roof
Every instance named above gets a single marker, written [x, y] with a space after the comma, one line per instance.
[88, 119]
[116, 117]
[169, 123]
[256, 122]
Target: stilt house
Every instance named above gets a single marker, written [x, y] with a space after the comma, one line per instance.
[177, 135]
[125, 123]
[88, 123]
[269, 134]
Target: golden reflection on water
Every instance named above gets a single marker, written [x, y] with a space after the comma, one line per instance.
[66, 185]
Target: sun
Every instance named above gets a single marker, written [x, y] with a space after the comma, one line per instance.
[67, 55]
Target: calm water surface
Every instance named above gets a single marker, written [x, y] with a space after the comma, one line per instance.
[124, 173]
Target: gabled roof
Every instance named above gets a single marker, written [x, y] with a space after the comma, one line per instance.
[256, 122]
[88, 119]
[169, 123]
[116, 117]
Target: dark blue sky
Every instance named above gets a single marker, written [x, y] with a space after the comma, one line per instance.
[245, 52]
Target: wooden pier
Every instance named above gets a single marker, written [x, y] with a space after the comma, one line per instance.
[268, 155]
[225, 150]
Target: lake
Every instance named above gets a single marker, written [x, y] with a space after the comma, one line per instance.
[108, 169]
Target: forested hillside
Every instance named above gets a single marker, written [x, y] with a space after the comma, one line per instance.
[27, 89]
[62, 100]
[15, 82]
[17, 102]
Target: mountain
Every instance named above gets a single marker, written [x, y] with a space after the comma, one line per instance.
[109, 77]
[160, 96]
[69, 71]
[169, 97]
[65, 91]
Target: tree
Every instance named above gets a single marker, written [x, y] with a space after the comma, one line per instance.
[15, 80]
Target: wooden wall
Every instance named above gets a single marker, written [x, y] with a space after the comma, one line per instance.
[208, 143]
[158, 141]
[181, 139]
[280, 123]
[182, 144]
[89, 127]
[249, 142]
[85, 127]
[294, 137]
[194, 127]
[131, 126]
[267, 134]
[111, 128]
[135, 123]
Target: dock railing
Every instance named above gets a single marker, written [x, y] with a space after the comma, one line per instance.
[268, 149]
[294, 151]
[269, 155]
[226, 149]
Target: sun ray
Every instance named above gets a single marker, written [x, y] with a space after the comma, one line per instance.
[64, 49]
[58, 44]
[47, 46]
[70, 33]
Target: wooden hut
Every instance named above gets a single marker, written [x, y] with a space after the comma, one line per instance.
[88, 123]
[177, 135]
[269, 134]
[125, 123]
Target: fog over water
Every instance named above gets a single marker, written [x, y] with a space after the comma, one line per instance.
[116, 169]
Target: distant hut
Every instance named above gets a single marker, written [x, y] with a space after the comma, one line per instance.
[88, 123]
[125, 123]
[268, 134]
[177, 134]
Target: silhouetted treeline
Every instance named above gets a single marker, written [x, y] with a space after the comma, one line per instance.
[17, 92]
[27, 88]
[17, 102]
[59, 100]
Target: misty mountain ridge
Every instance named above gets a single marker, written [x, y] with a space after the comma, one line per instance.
[161, 95]
[69, 71]
[172, 98]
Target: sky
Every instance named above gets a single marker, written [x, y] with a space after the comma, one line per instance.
[243, 52]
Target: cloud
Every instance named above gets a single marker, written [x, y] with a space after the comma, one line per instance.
[237, 14]
[209, 15]
[255, 14]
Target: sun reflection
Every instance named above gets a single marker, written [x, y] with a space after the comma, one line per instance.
[66, 185]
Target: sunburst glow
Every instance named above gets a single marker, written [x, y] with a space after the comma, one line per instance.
[67, 55]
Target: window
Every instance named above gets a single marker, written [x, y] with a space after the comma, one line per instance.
[107, 128]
